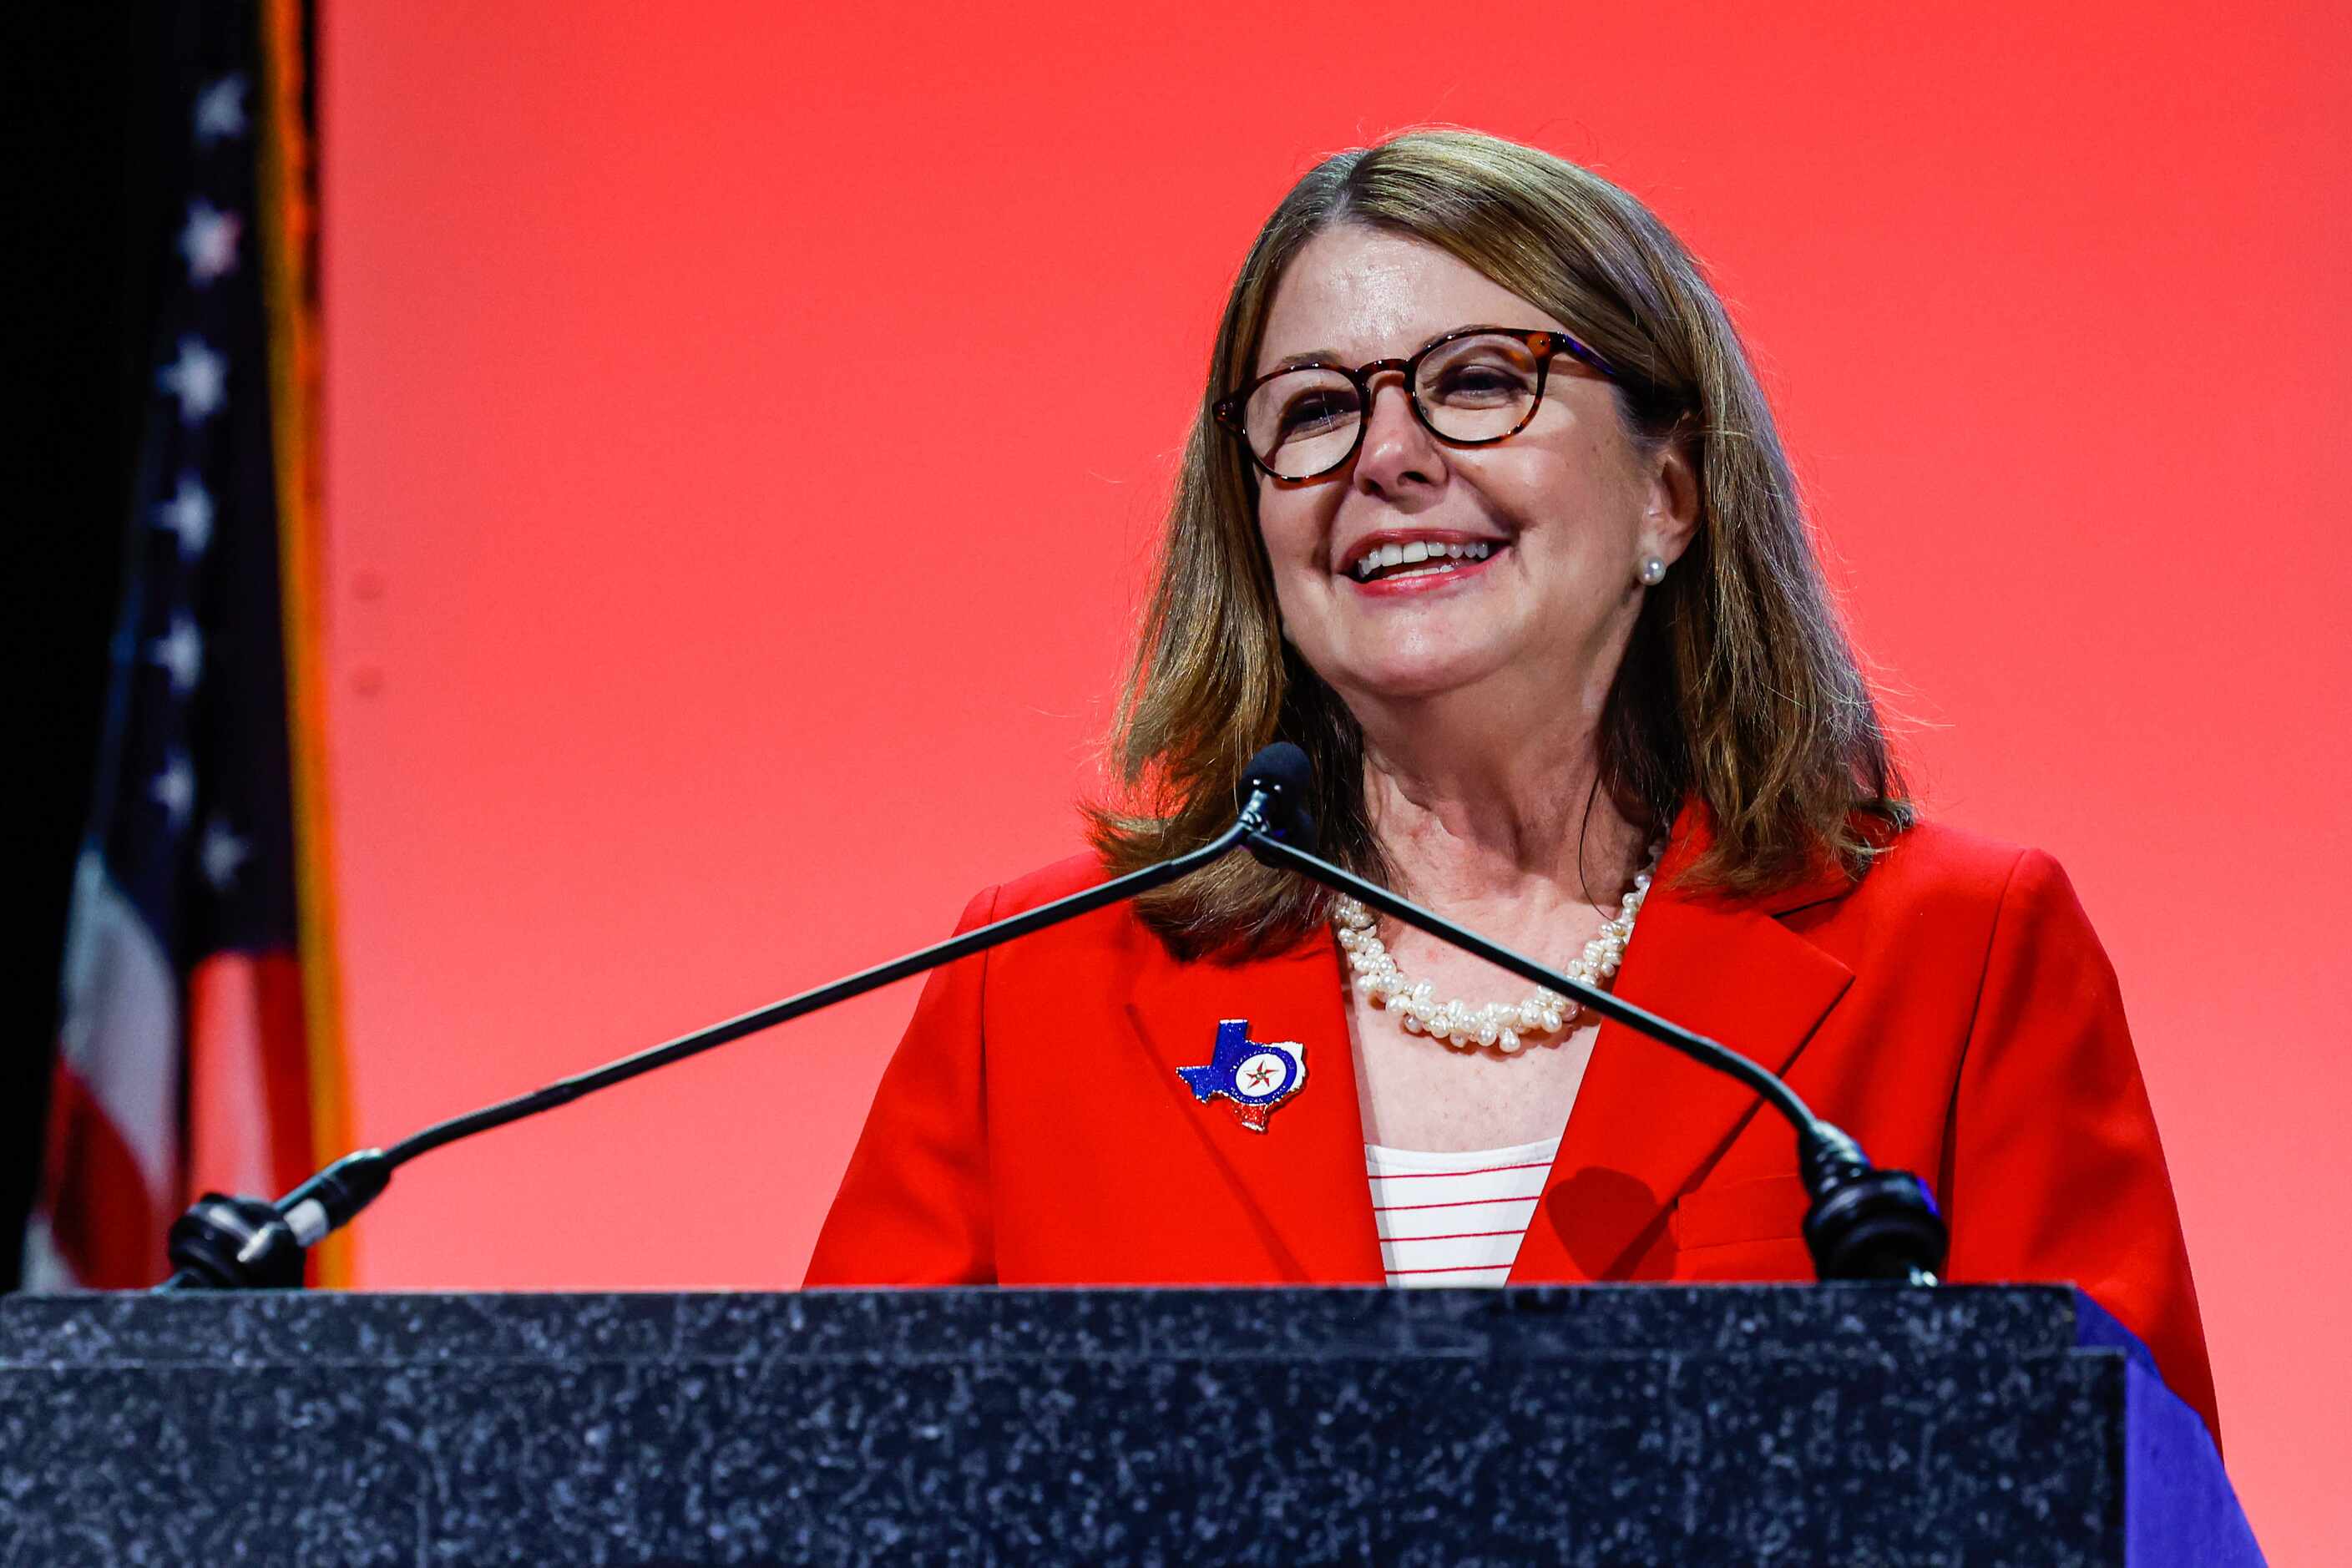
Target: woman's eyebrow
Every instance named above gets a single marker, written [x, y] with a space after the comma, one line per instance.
[1312, 356]
[1332, 356]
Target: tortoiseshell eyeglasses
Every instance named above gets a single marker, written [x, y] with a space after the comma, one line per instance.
[1471, 388]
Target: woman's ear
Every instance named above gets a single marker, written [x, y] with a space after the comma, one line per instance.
[1670, 519]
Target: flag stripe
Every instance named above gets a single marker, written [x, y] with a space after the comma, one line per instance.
[248, 1098]
[109, 1230]
[119, 1031]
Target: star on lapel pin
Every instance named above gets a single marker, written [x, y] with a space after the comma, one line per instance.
[1257, 1077]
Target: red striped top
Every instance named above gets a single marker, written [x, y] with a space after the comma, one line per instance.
[1454, 1219]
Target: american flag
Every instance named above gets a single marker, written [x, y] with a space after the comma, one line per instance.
[192, 1055]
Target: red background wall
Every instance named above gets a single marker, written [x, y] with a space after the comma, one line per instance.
[747, 428]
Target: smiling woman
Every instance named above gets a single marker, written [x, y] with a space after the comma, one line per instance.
[1485, 510]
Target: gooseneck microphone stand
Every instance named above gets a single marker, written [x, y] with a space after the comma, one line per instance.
[1864, 1224]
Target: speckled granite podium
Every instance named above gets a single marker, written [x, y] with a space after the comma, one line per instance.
[1646, 1424]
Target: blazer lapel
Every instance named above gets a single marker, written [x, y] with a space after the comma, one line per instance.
[1648, 1121]
[1295, 1193]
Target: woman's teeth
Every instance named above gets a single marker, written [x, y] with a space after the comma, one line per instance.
[1423, 559]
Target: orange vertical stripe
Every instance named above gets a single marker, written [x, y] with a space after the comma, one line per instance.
[289, 233]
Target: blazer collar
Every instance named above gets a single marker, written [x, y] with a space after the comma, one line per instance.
[1648, 1122]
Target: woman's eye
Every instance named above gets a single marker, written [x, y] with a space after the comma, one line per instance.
[1481, 380]
[1309, 412]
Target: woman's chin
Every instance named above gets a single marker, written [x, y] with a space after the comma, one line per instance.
[1427, 676]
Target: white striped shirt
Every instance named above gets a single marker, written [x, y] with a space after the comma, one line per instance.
[1454, 1219]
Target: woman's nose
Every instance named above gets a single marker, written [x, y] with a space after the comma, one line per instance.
[1398, 448]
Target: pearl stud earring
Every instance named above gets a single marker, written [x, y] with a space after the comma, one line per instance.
[1654, 571]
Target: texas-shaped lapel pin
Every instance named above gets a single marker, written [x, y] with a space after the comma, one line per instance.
[1257, 1077]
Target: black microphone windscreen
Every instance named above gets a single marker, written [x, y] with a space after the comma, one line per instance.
[1282, 766]
[1282, 773]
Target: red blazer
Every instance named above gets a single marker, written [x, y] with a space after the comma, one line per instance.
[1953, 1011]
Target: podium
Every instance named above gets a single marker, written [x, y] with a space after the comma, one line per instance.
[1604, 1424]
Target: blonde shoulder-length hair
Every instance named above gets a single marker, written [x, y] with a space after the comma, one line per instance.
[1737, 686]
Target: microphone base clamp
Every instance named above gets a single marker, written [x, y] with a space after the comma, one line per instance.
[1868, 1224]
[225, 1243]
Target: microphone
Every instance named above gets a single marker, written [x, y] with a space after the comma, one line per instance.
[1863, 1222]
[1276, 787]
[228, 1243]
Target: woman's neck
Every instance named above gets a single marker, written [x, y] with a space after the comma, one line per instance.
[1473, 814]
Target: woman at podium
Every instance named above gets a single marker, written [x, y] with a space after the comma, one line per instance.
[1485, 509]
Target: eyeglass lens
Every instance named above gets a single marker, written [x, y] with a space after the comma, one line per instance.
[1476, 388]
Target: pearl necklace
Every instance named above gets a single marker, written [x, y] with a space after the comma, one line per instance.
[1505, 1025]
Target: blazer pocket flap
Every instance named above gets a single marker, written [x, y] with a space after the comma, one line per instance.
[1761, 1209]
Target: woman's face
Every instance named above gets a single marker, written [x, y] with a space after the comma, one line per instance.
[1566, 510]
